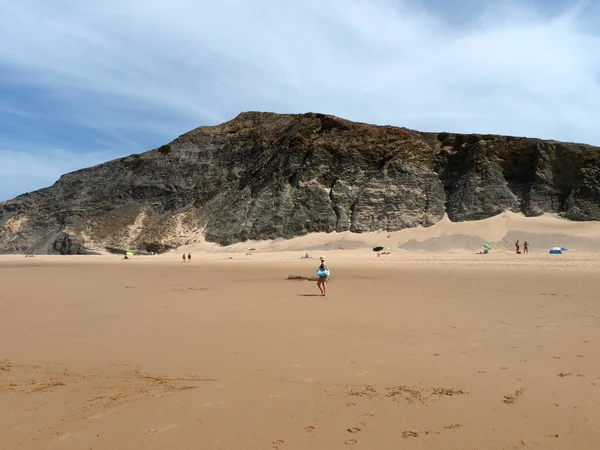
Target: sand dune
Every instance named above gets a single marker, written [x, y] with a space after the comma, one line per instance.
[542, 232]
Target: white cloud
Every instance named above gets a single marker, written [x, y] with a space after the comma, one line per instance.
[164, 67]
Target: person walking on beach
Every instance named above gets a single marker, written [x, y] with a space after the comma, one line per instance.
[323, 279]
[525, 247]
[189, 257]
[517, 247]
[183, 257]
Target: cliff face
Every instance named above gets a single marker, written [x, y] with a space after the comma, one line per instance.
[265, 176]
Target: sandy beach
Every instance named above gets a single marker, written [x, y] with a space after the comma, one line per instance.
[413, 350]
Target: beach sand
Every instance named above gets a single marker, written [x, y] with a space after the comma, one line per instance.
[415, 350]
[432, 346]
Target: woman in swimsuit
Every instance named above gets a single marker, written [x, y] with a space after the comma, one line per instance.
[322, 283]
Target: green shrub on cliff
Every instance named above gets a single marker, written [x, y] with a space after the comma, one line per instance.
[133, 162]
[165, 149]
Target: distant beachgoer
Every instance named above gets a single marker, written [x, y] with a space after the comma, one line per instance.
[525, 247]
[517, 247]
[189, 256]
[322, 283]
[183, 257]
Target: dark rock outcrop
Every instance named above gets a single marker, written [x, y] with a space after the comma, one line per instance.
[265, 176]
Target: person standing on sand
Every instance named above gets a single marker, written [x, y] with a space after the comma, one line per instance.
[517, 247]
[183, 257]
[525, 247]
[322, 283]
[189, 257]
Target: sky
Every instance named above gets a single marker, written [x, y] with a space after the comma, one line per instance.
[83, 82]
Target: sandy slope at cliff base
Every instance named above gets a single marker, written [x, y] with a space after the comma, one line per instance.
[543, 232]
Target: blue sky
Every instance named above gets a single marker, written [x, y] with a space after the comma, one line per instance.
[84, 82]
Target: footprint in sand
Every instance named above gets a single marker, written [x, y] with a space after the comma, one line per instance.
[510, 399]
[356, 429]
[309, 429]
[410, 434]
[364, 391]
[350, 441]
[448, 392]
[415, 434]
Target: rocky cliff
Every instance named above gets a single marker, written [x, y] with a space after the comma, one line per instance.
[265, 176]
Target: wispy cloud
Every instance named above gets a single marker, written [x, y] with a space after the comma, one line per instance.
[131, 74]
[39, 169]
